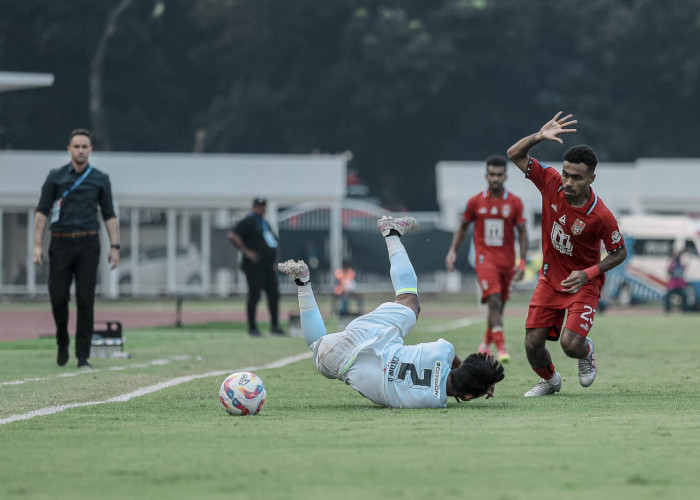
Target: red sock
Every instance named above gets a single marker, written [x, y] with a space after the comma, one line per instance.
[487, 336]
[497, 335]
[546, 373]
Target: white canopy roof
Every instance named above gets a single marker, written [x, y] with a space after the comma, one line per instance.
[10, 80]
[185, 180]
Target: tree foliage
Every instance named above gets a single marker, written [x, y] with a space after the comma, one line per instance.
[401, 84]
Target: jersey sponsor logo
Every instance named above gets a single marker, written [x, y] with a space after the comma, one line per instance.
[392, 368]
[560, 240]
[616, 237]
[554, 207]
[436, 377]
[505, 210]
[577, 227]
[562, 219]
[494, 232]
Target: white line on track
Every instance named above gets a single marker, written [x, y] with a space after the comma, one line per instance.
[155, 362]
[150, 389]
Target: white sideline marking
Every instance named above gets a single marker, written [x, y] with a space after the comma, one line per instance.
[155, 362]
[453, 325]
[444, 327]
[150, 389]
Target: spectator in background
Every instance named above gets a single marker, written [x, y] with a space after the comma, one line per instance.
[71, 196]
[345, 290]
[676, 283]
[254, 238]
[496, 214]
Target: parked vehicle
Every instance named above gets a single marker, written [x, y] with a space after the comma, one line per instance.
[650, 240]
[153, 268]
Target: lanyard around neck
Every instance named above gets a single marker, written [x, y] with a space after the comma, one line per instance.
[77, 182]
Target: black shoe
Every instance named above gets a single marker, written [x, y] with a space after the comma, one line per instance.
[62, 357]
[276, 330]
[254, 333]
[83, 363]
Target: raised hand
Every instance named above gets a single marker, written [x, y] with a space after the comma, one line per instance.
[556, 126]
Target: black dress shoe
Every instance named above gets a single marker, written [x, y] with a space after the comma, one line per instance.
[83, 363]
[62, 357]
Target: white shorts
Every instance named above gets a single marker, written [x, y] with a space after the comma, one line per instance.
[335, 352]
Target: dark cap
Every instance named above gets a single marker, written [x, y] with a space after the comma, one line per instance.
[259, 201]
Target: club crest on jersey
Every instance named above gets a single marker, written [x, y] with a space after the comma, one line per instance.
[577, 227]
[505, 210]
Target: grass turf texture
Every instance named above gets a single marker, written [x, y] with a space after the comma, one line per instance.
[635, 433]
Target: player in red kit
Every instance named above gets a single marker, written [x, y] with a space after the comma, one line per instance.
[496, 214]
[574, 222]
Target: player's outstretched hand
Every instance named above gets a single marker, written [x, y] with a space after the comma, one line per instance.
[556, 126]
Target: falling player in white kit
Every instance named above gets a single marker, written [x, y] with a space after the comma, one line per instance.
[370, 355]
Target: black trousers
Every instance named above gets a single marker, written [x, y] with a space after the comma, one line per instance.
[262, 278]
[69, 258]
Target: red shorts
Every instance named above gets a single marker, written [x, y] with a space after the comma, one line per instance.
[548, 307]
[493, 279]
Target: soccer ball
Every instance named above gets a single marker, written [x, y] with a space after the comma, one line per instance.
[242, 393]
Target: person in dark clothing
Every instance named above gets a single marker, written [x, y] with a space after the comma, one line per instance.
[70, 199]
[676, 282]
[254, 238]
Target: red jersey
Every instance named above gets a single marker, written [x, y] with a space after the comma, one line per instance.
[494, 220]
[571, 236]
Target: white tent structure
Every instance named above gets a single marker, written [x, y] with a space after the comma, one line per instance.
[655, 186]
[204, 187]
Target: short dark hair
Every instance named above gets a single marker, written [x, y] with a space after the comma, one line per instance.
[259, 200]
[476, 374]
[79, 131]
[497, 161]
[582, 154]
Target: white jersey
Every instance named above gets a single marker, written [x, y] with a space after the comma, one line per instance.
[370, 356]
[402, 376]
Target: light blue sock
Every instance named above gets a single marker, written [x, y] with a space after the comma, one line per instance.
[312, 325]
[403, 276]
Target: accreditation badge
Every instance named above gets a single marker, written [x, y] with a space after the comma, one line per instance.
[56, 210]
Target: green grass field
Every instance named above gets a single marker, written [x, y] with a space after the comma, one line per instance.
[635, 433]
